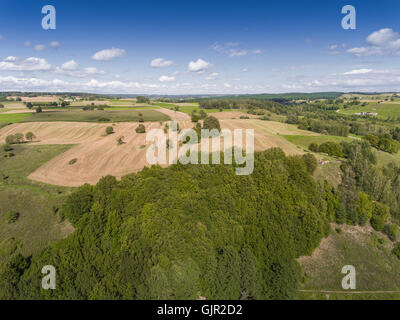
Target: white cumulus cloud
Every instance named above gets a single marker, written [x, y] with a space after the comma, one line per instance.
[69, 65]
[70, 68]
[161, 63]
[30, 64]
[166, 78]
[198, 66]
[382, 42]
[108, 54]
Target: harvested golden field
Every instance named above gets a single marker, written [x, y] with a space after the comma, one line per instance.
[49, 98]
[97, 154]
[175, 115]
[233, 115]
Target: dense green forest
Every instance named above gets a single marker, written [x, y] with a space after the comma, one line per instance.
[184, 232]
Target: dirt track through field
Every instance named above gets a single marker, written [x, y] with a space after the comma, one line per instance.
[98, 154]
[175, 115]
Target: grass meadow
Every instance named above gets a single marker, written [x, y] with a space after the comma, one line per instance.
[38, 224]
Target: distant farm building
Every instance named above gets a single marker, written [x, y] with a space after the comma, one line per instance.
[373, 114]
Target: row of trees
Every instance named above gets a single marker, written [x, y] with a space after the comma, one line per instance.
[383, 142]
[18, 138]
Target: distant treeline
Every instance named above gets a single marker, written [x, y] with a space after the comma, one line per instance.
[288, 96]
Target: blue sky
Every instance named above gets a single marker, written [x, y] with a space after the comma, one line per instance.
[199, 47]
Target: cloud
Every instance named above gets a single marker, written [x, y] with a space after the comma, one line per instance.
[70, 68]
[92, 70]
[1, 37]
[367, 80]
[225, 47]
[382, 42]
[27, 43]
[358, 71]
[212, 76]
[237, 53]
[54, 44]
[69, 65]
[166, 79]
[333, 47]
[30, 64]
[161, 63]
[244, 70]
[40, 47]
[227, 85]
[10, 83]
[232, 49]
[198, 66]
[108, 54]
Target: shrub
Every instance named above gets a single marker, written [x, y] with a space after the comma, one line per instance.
[1, 105]
[203, 114]
[140, 129]
[292, 119]
[211, 123]
[15, 138]
[78, 203]
[71, 162]
[39, 109]
[120, 140]
[103, 119]
[195, 117]
[313, 147]
[141, 119]
[310, 161]
[30, 136]
[19, 137]
[364, 208]
[331, 148]
[391, 231]
[10, 139]
[12, 217]
[380, 215]
[396, 250]
[7, 148]
[109, 130]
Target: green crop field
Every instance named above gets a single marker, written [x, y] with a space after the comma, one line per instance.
[305, 141]
[38, 225]
[97, 116]
[14, 117]
[384, 110]
[138, 107]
